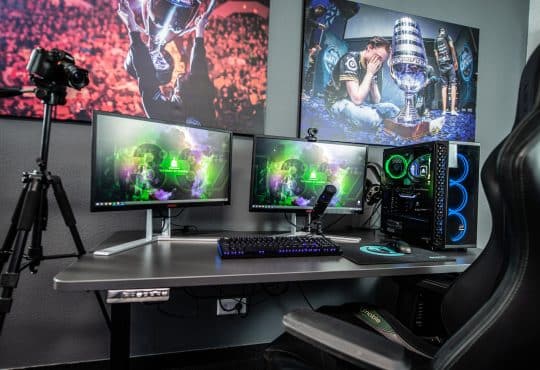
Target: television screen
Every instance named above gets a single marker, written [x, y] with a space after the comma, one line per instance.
[140, 163]
[201, 61]
[383, 77]
[288, 175]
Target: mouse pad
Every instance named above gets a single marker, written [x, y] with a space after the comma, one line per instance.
[367, 254]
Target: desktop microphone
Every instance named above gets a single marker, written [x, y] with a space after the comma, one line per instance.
[323, 201]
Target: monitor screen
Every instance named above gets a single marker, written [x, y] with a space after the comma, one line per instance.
[142, 163]
[288, 175]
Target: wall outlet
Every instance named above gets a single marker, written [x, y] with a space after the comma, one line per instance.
[227, 306]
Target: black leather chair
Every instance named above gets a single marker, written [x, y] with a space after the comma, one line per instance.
[490, 312]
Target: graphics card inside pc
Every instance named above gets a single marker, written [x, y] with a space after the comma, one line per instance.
[430, 194]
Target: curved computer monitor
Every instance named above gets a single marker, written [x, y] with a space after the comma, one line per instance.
[288, 175]
[138, 163]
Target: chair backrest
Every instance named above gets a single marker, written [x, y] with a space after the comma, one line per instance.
[503, 332]
[474, 287]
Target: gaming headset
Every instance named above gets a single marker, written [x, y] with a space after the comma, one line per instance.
[372, 188]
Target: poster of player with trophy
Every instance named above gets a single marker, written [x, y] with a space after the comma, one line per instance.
[201, 62]
[382, 77]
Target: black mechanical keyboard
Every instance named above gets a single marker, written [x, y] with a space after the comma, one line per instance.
[277, 246]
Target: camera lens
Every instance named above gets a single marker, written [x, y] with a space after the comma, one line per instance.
[76, 77]
[79, 79]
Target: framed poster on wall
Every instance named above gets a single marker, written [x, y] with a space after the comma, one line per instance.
[197, 61]
[382, 77]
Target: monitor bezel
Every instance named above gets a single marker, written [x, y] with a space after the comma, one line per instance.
[157, 206]
[302, 210]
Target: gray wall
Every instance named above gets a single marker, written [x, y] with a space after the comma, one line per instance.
[46, 326]
[534, 26]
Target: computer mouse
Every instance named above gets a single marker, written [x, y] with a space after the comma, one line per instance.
[400, 246]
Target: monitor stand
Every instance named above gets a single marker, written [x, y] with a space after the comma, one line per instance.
[293, 229]
[166, 234]
[150, 237]
[309, 230]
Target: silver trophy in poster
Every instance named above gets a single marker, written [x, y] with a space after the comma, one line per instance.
[408, 65]
[162, 21]
[167, 19]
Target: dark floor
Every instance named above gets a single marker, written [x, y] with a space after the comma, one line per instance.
[237, 358]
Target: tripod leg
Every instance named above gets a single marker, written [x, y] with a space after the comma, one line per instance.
[67, 213]
[35, 249]
[9, 279]
[69, 219]
[12, 232]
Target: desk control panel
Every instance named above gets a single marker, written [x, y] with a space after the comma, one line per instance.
[138, 295]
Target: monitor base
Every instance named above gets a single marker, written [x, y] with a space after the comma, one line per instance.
[335, 238]
[118, 248]
[109, 251]
[343, 239]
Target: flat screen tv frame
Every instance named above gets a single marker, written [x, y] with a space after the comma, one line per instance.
[150, 207]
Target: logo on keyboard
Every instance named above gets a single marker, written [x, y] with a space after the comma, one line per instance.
[380, 250]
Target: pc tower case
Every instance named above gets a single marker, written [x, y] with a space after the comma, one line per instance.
[430, 194]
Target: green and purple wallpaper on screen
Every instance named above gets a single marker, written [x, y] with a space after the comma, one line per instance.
[291, 174]
[139, 161]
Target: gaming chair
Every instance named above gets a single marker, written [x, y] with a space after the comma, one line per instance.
[489, 312]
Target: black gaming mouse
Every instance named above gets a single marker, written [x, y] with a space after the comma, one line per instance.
[399, 246]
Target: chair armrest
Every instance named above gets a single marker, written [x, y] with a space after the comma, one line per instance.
[345, 340]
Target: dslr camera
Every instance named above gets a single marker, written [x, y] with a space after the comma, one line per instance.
[56, 68]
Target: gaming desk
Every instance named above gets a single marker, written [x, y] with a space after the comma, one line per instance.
[173, 264]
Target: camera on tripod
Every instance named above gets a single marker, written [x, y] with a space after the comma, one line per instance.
[55, 70]
[52, 72]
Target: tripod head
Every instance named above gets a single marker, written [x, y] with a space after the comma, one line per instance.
[52, 72]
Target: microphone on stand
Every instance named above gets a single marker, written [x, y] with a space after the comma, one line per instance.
[323, 201]
[314, 226]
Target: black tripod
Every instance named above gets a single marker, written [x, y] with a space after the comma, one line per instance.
[31, 213]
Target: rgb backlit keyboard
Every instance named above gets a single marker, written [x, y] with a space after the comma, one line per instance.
[277, 246]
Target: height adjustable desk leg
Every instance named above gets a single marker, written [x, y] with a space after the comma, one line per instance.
[120, 336]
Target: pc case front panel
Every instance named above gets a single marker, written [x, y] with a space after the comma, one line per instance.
[463, 182]
[409, 193]
[430, 194]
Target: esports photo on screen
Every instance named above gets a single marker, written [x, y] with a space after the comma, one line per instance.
[202, 62]
[418, 75]
[139, 163]
[288, 175]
